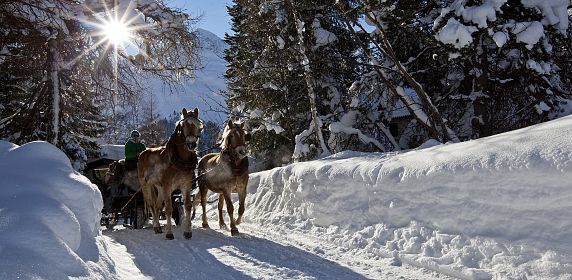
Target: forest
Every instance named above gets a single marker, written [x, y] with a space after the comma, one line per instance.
[308, 78]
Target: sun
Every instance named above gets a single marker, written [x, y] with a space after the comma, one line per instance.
[116, 32]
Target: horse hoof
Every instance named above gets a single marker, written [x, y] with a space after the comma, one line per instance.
[206, 226]
[169, 236]
[223, 226]
[234, 232]
[158, 230]
[188, 235]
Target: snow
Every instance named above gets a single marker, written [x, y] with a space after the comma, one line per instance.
[492, 208]
[542, 68]
[500, 38]
[49, 215]
[528, 33]
[481, 14]
[456, 33]
[542, 107]
[410, 97]
[115, 152]
[554, 13]
[323, 37]
[489, 208]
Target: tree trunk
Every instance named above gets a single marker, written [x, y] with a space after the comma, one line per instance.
[54, 62]
[308, 77]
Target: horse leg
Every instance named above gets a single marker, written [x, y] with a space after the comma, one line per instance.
[204, 191]
[187, 233]
[153, 200]
[230, 209]
[168, 213]
[221, 223]
[241, 205]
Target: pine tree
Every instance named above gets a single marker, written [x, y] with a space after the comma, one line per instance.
[504, 72]
[210, 137]
[281, 53]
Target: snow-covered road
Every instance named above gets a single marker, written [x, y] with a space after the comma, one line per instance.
[255, 254]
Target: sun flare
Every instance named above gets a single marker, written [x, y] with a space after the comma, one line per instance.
[116, 32]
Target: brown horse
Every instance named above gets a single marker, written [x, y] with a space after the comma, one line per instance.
[224, 173]
[165, 169]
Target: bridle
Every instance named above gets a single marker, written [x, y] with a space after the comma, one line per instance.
[230, 150]
[174, 158]
[179, 130]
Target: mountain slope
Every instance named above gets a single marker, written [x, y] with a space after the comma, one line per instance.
[205, 90]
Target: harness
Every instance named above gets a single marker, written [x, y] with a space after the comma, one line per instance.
[238, 167]
[176, 160]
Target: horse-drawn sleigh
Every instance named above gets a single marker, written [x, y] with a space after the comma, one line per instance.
[170, 172]
[121, 201]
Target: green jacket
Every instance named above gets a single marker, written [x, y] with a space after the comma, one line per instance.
[133, 149]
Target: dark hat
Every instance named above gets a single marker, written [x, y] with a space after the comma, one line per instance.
[135, 133]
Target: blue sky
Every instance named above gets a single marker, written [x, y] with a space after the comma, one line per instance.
[215, 17]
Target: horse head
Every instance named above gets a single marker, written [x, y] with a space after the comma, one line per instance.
[234, 139]
[189, 128]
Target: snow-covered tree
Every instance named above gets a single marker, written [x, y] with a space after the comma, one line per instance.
[290, 66]
[387, 66]
[210, 138]
[61, 76]
[503, 56]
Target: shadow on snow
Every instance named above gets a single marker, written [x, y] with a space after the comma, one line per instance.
[214, 254]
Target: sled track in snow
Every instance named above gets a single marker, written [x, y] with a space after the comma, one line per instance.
[214, 254]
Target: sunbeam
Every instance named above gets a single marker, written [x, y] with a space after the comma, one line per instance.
[117, 32]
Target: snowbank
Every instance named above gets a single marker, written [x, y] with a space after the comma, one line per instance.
[493, 208]
[49, 216]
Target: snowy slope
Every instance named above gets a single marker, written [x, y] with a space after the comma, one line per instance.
[204, 91]
[496, 207]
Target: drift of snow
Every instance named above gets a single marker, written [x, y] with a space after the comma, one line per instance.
[493, 208]
[49, 216]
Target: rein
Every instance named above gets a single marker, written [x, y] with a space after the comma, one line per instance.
[129, 201]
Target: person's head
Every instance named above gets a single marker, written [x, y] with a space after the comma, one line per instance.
[135, 135]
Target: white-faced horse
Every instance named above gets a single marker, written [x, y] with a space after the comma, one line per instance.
[166, 169]
[224, 173]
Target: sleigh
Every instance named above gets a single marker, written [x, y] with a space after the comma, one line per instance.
[122, 204]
